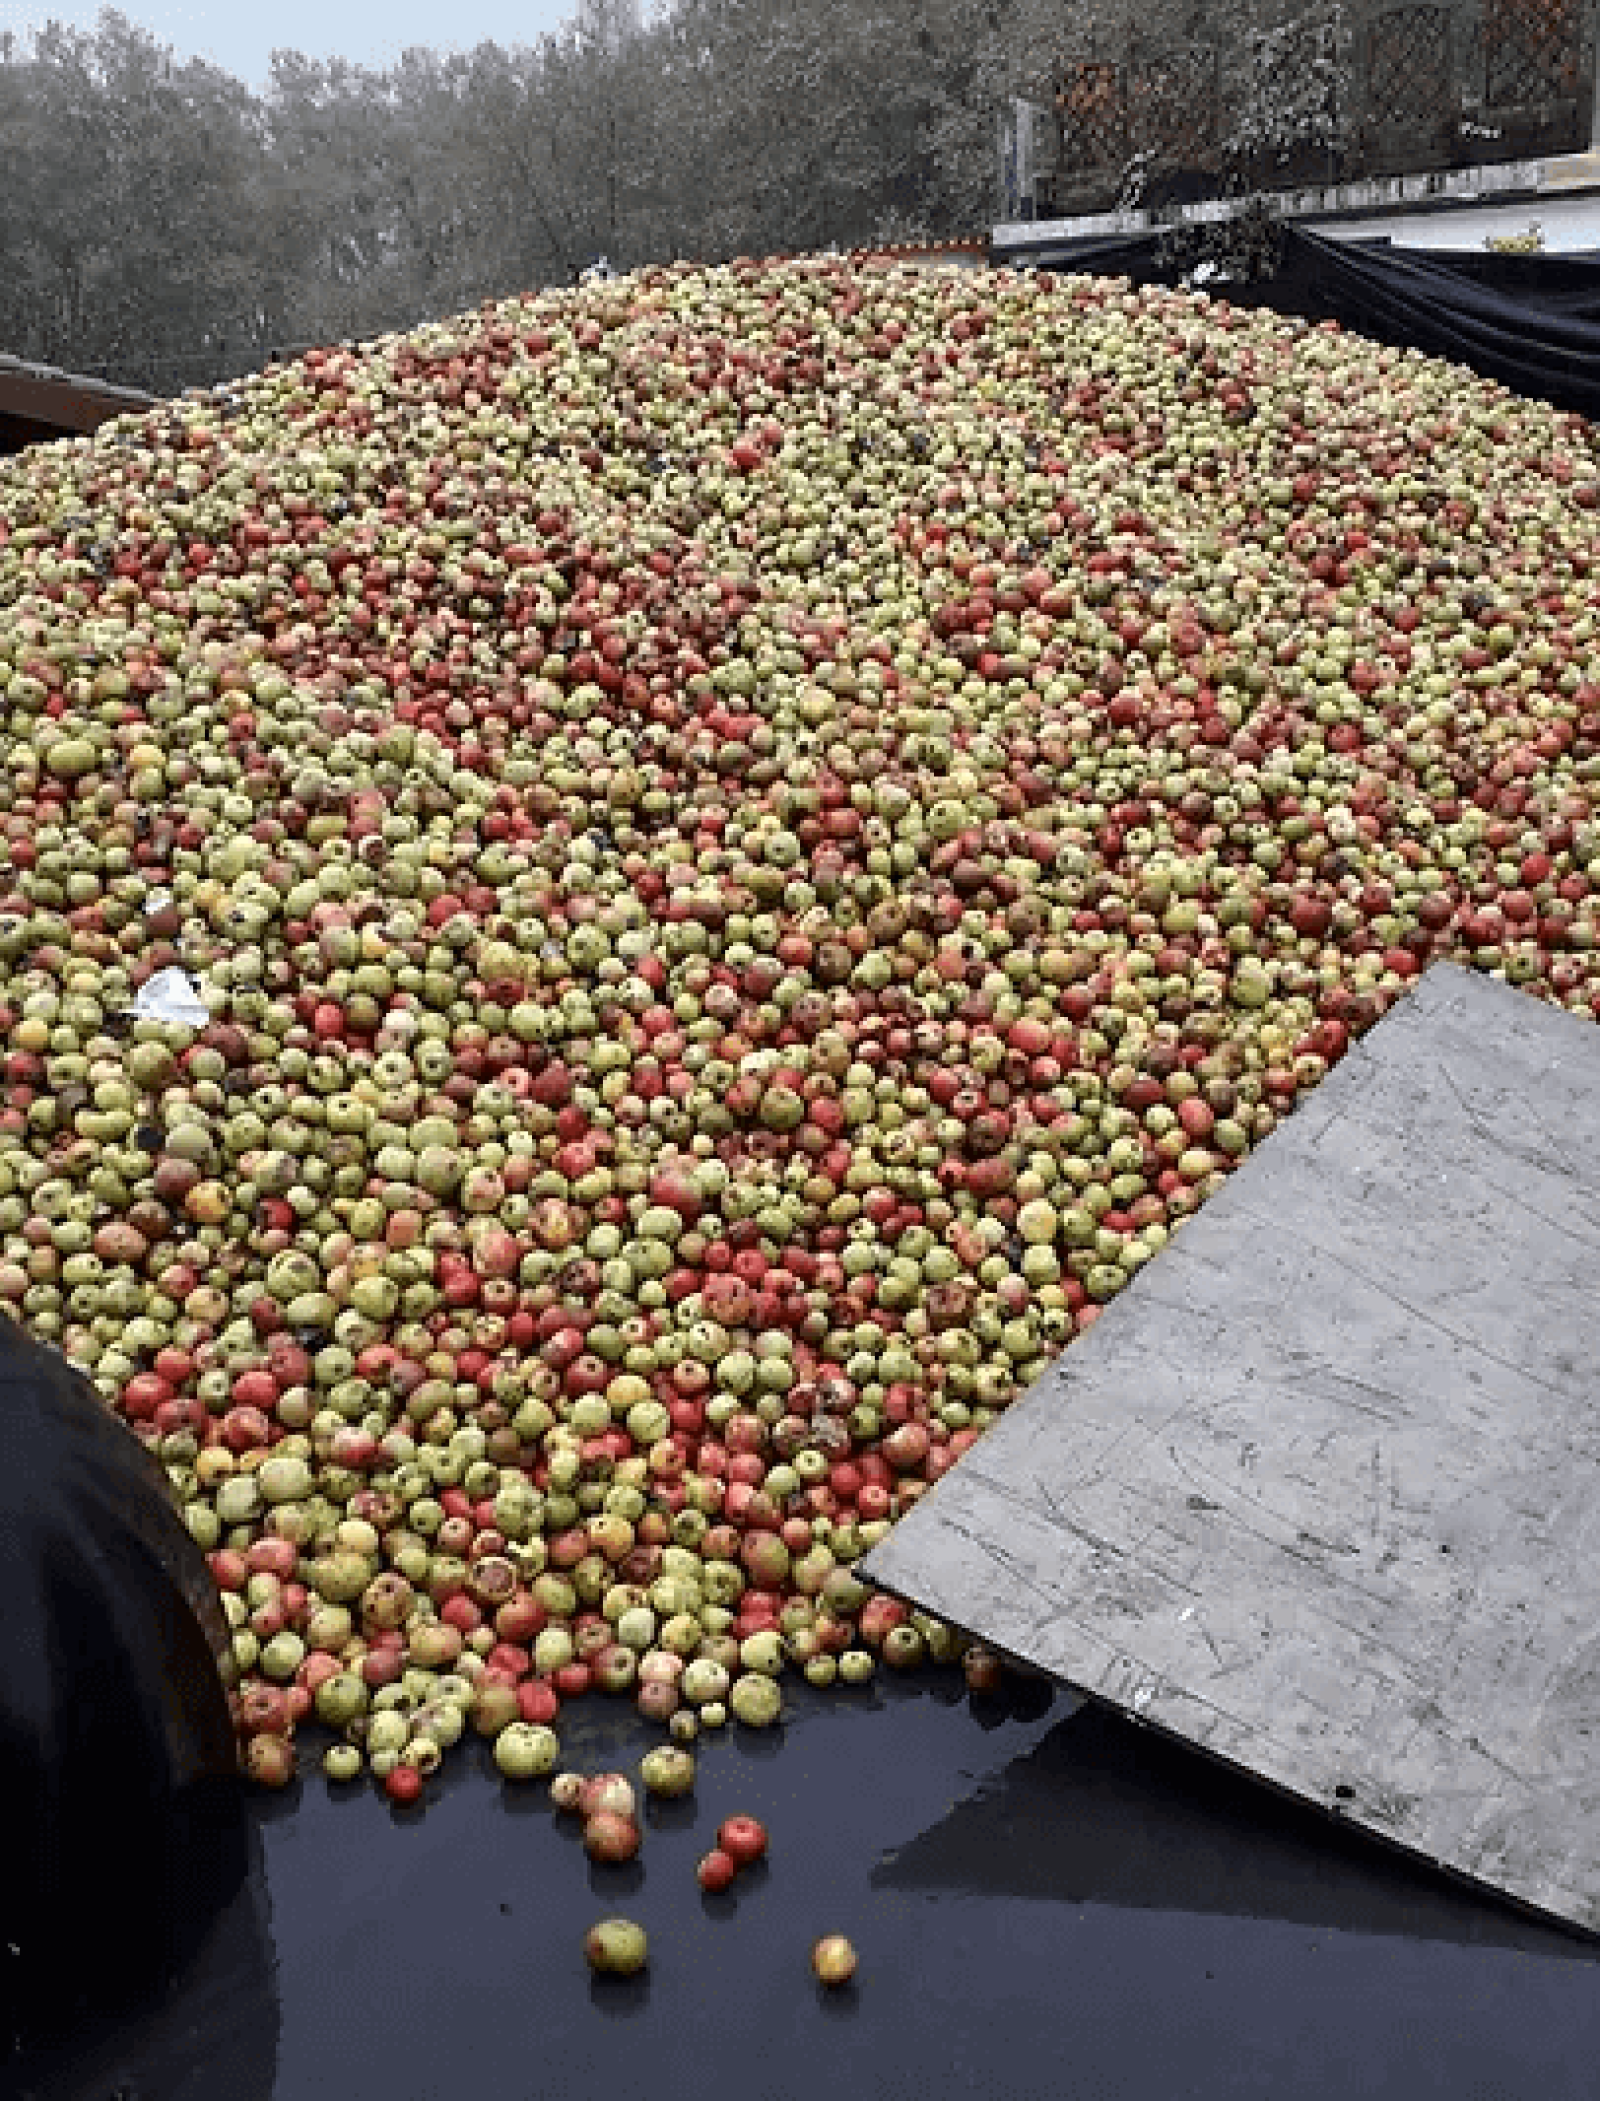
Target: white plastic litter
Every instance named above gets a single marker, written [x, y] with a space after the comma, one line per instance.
[171, 995]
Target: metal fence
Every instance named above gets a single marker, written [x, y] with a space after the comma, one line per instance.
[1341, 94]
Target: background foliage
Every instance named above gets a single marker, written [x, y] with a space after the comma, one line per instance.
[162, 226]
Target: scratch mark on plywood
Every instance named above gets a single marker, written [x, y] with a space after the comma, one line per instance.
[1339, 1586]
[1199, 1476]
[1557, 1162]
[1338, 1378]
[1058, 1514]
[997, 1554]
[1562, 1225]
[1418, 1313]
[1135, 1430]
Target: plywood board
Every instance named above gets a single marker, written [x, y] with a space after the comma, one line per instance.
[1320, 1491]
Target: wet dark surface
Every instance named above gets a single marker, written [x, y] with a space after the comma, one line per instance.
[1046, 1900]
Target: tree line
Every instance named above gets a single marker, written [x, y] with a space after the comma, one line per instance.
[163, 226]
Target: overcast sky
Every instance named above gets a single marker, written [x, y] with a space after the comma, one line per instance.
[241, 38]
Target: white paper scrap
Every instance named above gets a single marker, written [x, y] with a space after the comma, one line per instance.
[171, 995]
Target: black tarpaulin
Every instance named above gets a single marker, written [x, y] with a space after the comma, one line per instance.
[121, 1813]
[1530, 321]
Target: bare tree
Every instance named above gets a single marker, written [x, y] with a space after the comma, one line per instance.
[125, 208]
[993, 55]
[165, 214]
[168, 220]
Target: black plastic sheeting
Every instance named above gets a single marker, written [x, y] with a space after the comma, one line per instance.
[1047, 1902]
[122, 1821]
[1530, 321]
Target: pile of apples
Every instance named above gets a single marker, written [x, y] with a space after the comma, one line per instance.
[750, 842]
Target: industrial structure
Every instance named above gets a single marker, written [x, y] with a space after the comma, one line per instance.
[1169, 108]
